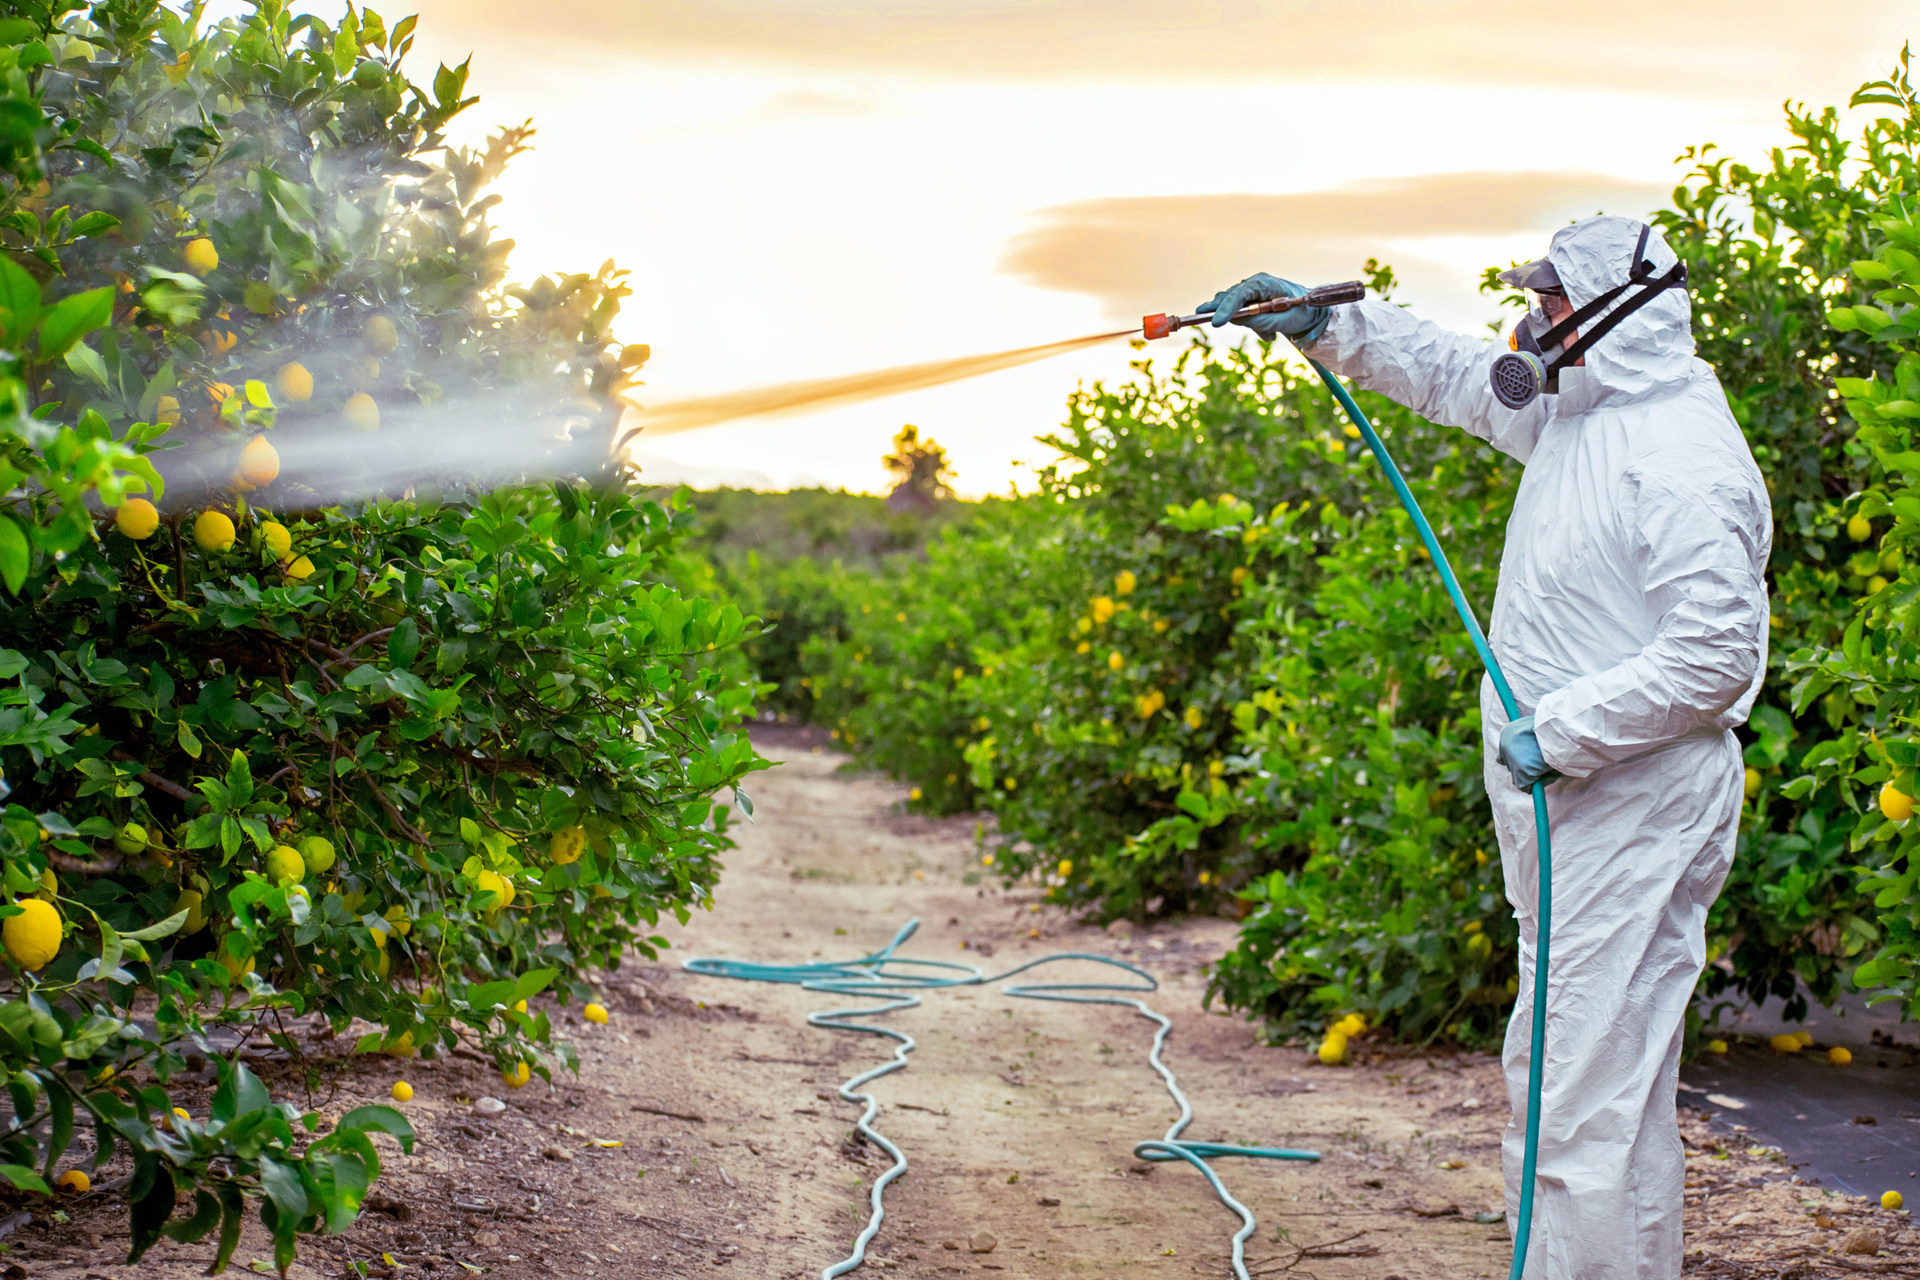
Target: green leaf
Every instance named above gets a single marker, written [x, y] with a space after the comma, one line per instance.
[73, 319]
[93, 224]
[16, 556]
[24, 1178]
[382, 1120]
[20, 298]
[149, 1213]
[282, 1185]
[162, 929]
[206, 1216]
[240, 1093]
[403, 644]
[232, 1217]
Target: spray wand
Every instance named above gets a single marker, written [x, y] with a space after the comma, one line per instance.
[1332, 295]
[1327, 295]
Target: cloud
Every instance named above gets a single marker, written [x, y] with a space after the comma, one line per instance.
[1148, 253]
[1700, 48]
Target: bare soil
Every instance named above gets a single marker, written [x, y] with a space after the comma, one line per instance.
[1018, 1117]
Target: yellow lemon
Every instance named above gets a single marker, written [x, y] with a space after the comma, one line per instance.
[1891, 1200]
[49, 884]
[1102, 609]
[1839, 1057]
[397, 917]
[200, 256]
[363, 412]
[136, 518]
[33, 936]
[1192, 717]
[74, 1181]
[1716, 1046]
[221, 341]
[1876, 584]
[381, 335]
[1065, 868]
[300, 569]
[1333, 1050]
[131, 838]
[913, 796]
[595, 1013]
[1753, 783]
[401, 1047]
[275, 539]
[1804, 1037]
[1859, 528]
[167, 409]
[1897, 805]
[1239, 575]
[1351, 1025]
[496, 884]
[567, 845]
[1115, 661]
[1124, 582]
[193, 902]
[219, 391]
[317, 853]
[213, 531]
[382, 962]
[1785, 1044]
[236, 967]
[401, 1091]
[285, 865]
[259, 462]
[295, 382]
[519, 1006]
[518, 1076]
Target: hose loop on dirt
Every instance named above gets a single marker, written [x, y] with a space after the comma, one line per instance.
[898, 979]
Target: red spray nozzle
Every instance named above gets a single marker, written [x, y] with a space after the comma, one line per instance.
[1159, 326]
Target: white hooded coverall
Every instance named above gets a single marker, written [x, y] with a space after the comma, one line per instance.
[1631, 621]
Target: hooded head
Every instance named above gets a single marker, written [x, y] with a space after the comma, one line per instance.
[1650, 351]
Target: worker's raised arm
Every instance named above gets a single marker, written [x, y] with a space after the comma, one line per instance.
[1439, 374]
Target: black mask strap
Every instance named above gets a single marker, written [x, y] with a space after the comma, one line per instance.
[1641, 274]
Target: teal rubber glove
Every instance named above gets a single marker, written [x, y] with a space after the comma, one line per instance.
[1302, 324]
[1520, 752]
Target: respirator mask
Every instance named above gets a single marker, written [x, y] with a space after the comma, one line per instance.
[1540, 349]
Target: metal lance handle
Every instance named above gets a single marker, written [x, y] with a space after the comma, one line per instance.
[1327, 295]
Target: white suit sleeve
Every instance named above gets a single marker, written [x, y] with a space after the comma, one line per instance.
[1701, 571]
[1439, 374]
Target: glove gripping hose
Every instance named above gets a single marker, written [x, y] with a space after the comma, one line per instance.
[1522, 1227]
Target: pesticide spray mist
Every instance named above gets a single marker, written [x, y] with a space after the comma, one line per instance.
[792, 397]
[480, 444]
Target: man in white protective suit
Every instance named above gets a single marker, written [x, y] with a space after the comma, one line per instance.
[1631, 621]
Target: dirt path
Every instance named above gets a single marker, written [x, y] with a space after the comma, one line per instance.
[1018, 1117]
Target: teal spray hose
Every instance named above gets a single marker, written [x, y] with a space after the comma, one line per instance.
[1523, 1226]
[897, 979]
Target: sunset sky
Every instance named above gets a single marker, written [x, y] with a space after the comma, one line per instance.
[805, 188]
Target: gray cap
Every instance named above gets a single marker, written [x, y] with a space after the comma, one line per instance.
[1537, 275]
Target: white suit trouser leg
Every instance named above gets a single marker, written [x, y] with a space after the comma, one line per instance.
[1639, 853]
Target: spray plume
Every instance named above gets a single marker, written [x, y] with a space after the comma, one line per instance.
[481, 443]
[793, 397]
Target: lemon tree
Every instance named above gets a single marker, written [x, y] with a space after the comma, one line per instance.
[285, 742]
